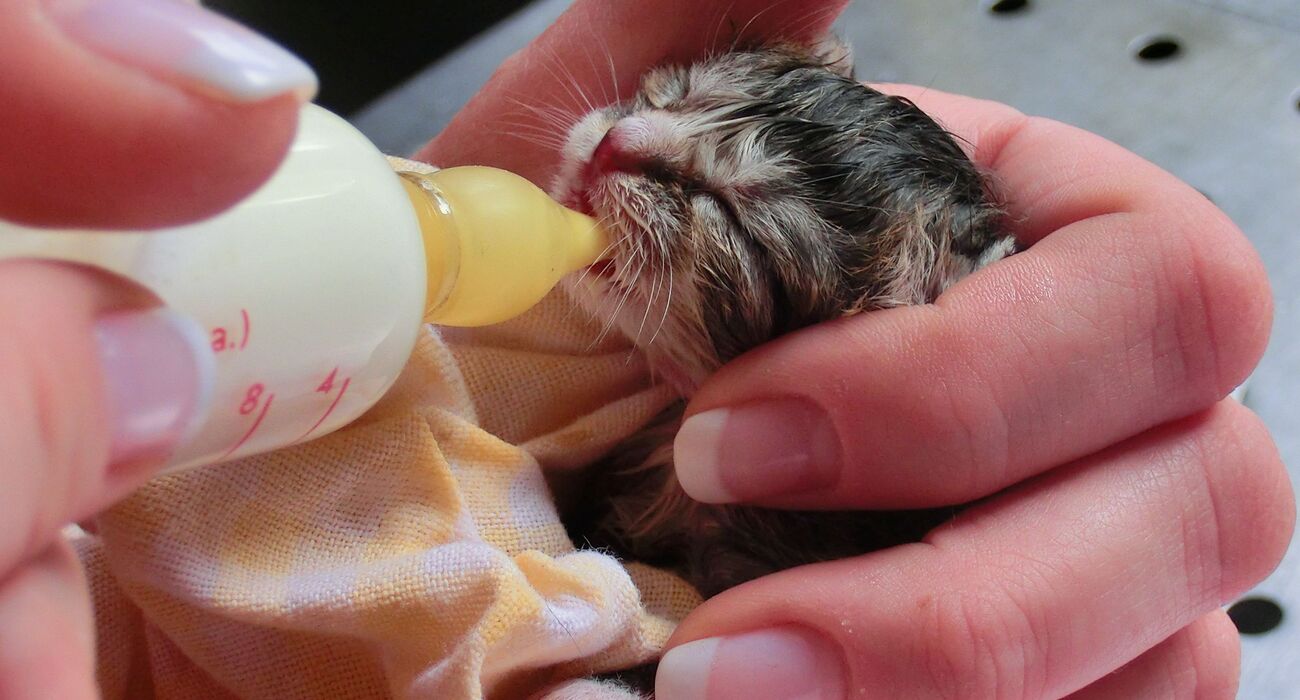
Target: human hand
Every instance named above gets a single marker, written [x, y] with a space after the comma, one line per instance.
[117, 114]
[1077, 389]
[1081, 382]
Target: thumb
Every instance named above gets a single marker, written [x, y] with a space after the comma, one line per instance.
[137, 113]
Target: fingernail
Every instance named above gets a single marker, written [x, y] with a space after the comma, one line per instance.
[756, 450]
[785, 663]
[159, 372]
[182, 41]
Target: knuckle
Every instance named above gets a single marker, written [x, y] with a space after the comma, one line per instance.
[46, 399]
[1223, 484]
[1200, 662]
[34, 394]
[993, 144]
[977, 644]
[967, 414]
[1248, 496]
[1216, 659]
[1222, 305]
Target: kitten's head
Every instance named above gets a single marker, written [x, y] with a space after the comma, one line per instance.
[760, 191]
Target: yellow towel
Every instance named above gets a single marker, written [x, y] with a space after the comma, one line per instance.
[416, 553]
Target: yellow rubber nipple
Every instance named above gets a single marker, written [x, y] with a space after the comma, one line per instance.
[495, 243]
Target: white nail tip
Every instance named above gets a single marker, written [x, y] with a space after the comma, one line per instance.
[205, 367]
[158, 374]
[182, 41]
[684, 671]
[696, 454]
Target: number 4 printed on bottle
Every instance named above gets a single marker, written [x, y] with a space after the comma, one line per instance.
[327, 387]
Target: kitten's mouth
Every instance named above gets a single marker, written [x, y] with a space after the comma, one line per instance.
[602, 268]
[579, 201]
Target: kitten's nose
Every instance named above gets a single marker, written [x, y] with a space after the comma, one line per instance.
[612, 155]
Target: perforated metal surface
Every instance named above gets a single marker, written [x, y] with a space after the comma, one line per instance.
[1223, 113]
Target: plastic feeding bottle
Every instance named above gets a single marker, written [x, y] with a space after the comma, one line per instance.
[314, 289]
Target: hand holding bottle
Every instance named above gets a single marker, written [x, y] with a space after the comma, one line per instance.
[100, 129]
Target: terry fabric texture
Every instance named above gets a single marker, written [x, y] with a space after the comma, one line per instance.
[415, 553]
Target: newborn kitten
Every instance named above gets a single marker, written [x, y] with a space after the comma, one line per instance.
[752, 194]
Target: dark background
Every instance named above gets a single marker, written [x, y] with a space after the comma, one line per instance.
[361, 49]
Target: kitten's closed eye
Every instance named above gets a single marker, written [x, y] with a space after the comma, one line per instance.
[662, 87]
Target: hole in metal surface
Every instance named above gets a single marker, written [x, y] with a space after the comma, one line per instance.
[1156, 47]
[1255, 615]
[1005, 7]
[1295, 99]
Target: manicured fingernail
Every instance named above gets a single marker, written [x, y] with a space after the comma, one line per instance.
[785, 662]
[182, 41]
[159, 372]
[756, 450]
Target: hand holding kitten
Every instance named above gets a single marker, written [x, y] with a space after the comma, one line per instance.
[1077, 388]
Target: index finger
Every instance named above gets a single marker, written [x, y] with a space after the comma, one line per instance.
[1138, 303]
[137, 113]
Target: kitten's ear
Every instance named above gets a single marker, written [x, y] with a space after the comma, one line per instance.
[835, 53]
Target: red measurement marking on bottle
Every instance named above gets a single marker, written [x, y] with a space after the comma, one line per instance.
[218, 336]
[252, 429]
[221, 339]
[249, 403]
[342, 390]
[328, 385]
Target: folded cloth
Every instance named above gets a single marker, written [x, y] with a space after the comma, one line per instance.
[415, 553]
